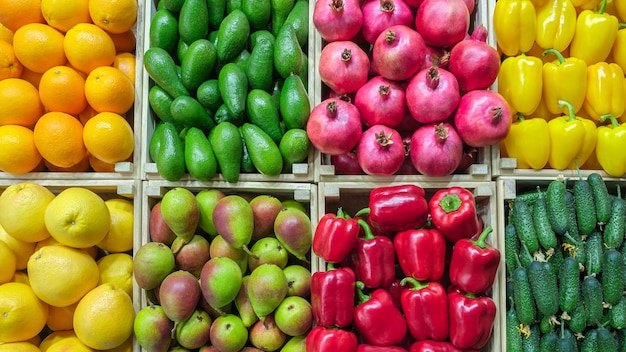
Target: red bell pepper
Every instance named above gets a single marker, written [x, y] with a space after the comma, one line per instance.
[371, 348]
[373, 259]
[453, 212]
[435, 346]
[332, 296]
[335, 236]
[377, 319]
[474, 264]
[395, 289]
[421, 253]
[396, 208]
[471, 319]
[425, 307]
[321, 339]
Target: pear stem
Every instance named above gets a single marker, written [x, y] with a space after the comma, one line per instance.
[247, 250]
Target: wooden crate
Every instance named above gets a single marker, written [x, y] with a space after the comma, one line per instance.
[301, 172]
[352, 196]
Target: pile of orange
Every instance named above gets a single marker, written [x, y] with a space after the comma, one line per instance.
[67, 84]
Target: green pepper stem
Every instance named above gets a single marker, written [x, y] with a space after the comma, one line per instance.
[360, 286]
[470, 295]
[557, 53]
[482, 238]
[520, 117]
[364, 211]
[369, 235]
[614, 122]
[602, 6]
[570, 109]
[342, 214]
[450, 203]
[622, 25]
[416, 285]
[330, 266]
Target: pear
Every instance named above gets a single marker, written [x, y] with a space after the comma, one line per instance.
[244, 307]
[216, 312]
[153, 329]
[220, 248]
[228, 333]
[220, 281]
[265, 335]
[181, 213]
[194, 332]
[294, 316]
[234, 220]
[193, 255]
[267, 287]
[267, 250]
[295, 344]
[207, 199]
[159, 230]
[265, 208]
[298, 280]
[179, 294]
[152, 263]
[292, 228]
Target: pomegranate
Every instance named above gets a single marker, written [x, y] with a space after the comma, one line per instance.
[432, 95]
[414, 3]
[483, 118]
[407, 167]
[381, 102]
[436, 149]
[337, 19]
[470, 155]
[379, 15]
[408, 124]
[334, 126]
[436, 57]
[343, 66]
[471, 4]
[349, 97]
[399, 52]
[442, 23]
[380, 151]
[473, 62]
[346, 164]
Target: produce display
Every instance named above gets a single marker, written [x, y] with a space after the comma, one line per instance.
[409, 272]
[563, 78]
[228, 87]
[67, 85]
[564, 257]
[225, 272]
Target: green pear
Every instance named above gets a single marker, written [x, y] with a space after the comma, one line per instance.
[295, 344]
[294, 316]
[291, 203]
[228, 333]
[267, 250]
[265, 334]
[220, 281]
[152, 263]
[234, 220]
[180, 212]
[220, 248]
[194, 332]
[267, 287]
[207, 199]
[242, 302]
[153, 329]
[265, 208]
[292, 228]
[298, 280]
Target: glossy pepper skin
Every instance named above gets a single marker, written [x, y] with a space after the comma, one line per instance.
[425, 307]
[453, 212]
[588, 145]
[421, 253]
[471, 319]
[619, 47]
[335, 236]
[566, 132]
[516, 143]
[396, 208]
[520, 81]
[377, 319]
[515, 26]
[332, 296]
[474, 264]
[564, 79]
[371, 348]
[605, 90]
[435, 346]
[611, 147]
[620, 7]
[556, 23]
[594, 36]
[373, 259]
[321, 339]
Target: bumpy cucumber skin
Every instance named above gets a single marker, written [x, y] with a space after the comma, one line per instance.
[590, 342]
[612, 276]
[547, 342]
[545, 234]
[578, 319]
[511, 248]
[523, 297]
[513, 336]
[523, 221]
[615, 227]
[544, 287]
[569, 284]
[585, 207]
[606, 341]
[600, 196]
[593, 299]
[555, 201]
[594, 249]
[617, 314]
[532, 343]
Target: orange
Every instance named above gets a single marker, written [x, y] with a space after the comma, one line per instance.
[108, 89]
[126, 63]
[59, 139]
[16, 13]
[23, 313]
[86, 114]
[109, 137]
[124, 42]
[99, 165]
[60, 318]
[18, 153]
[39, 47]
[62, 14]
[88, 46]
[63, 89]
[31, 77]
[82, 166]
[10, 67]
[114, 16]
[6, 34]
[19, 103]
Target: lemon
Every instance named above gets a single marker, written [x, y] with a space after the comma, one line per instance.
[77, 217]
[22, 209]
[71, 343]
[117, 269]
[61, 275]
[55, 337]
[23, 313]
[22, 277]
[19, 347]
[127, 346]
[22, 250]
[120, 235]
[7, 263]
[61, 318]
[50, 241]
[104, 317]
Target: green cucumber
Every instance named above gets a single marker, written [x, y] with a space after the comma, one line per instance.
[545, 234]
[555, 201]
[548, 342]
[546, 324]
[511, 248]
[544, 287]
[565, 343]
[594, 249]
[569, 284]
[600, 196]
[577, 319]
[572, 240]
[615, 227]
[513, 336]
[606, 340]
[592, 299]
[523, 221]
[617, 314]
[532, 342]
[585, 207]
[612, 276]
[523, 297]
[590, 342]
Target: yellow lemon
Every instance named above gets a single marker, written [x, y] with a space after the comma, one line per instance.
[22, 209]
[7, 263]
[55, 337]
[21, 277]
[70, 343]
[22, 250]
[117, 269]
[77, 217]
[104, 317]
[19, 347]
[62, 275]
[127, 346]
[60, 318]
[23, 313]
[50, 241]
[120, 236]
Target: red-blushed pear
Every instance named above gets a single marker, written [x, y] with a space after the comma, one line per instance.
[267, 287]
[193, 255]
[294, 316]
[265, 334]
[179, 294]
[295, 344]
[292, 228]
[298, 280]
[220, 281]
[265, 208]
[153, 329]
[159, 231]
[207, 199]
[234, 220]
[194, 332]
[220, 248]
[152, 263]
[228, 333]
[181, 213]
[244, 307]
[267, 250]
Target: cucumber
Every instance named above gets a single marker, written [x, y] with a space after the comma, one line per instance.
[592, 300]
[525, 257]
[600, 196]
[617, 314]
[511, 248]
[594, 249]
[555, 201]
[545, 234]
[547, 342]
[546, 324]
[590, 342]
[612, 276]
[513, 336]
[572, 240]
[577, 319]
[555, 259]
[544, 287]
[529, 197]
[523, 297]
[615, 227]
[569, 284]
[585, 207]
[531, 343]
[523, 221]
[565, 344]
[606, 340]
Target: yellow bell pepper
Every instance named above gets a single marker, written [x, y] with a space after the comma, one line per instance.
[585, 4]
[588, 146]
[556, 23]
[611, 147]
[566, 134]
[619, 47]
[514, 25]
[594, 36]
[564, 79]
[520, 82]
[528, 141]
[605, 90]
[542, 112]
[620, 8]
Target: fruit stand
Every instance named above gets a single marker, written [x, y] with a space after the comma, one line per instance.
[262, 176]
